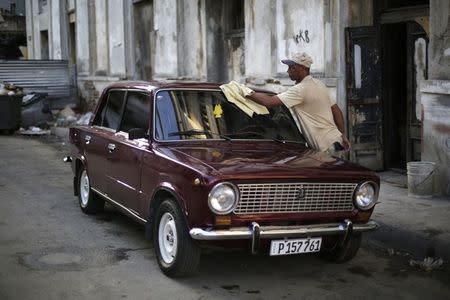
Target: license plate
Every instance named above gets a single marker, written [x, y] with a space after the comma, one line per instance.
[295, 246]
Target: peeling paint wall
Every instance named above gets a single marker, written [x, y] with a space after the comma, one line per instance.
[435, 96]
[300, 27]
[260, 38]
[439, 57]
[420, 64]
[166, 46]
[436, 130]
[360, 13]
[116, 32]
[143, 18]
[82, 38]
[190, 40]
[101, 38]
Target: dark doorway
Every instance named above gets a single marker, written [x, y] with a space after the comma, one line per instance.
[72, 44]
[404, 67]
[394, 94]
[44, 45]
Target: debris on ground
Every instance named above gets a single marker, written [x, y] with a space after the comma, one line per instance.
[32, 130]
[428, 264]
[10, 89]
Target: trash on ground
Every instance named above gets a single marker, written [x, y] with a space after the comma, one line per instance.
[32, 130]
[10, 89]
[35, 110]
[428, 264]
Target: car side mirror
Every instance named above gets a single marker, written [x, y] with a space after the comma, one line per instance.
[137, 133]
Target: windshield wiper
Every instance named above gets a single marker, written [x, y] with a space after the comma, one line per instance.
[199, 132]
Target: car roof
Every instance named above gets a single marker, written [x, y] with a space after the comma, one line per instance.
[157, 85]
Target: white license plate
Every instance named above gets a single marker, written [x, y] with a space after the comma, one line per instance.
[295, 246]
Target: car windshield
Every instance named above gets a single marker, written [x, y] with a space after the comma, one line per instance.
[198, 114]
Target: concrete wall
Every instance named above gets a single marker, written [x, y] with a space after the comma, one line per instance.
[143, 18]
[166, 44]
[435, 96]
[191, 55]
[116, 33]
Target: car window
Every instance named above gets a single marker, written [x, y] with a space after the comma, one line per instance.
[189, 114]
[137, 109]
[113, 109]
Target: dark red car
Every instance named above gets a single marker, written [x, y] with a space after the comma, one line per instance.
[198, 171]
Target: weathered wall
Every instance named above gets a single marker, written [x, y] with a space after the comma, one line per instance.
[360, 13]
[216, 62]
[116, 35]
[191, 56]
[436, 130]
[101, 66]
[439, 55]
[82, 38]
[260, 39]
[143, 18]
[166, 46]
[435, 96]
[300, 27]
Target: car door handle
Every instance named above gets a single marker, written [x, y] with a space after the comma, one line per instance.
[87, 139]
[111, 148]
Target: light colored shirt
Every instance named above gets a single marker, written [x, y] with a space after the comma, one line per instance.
[311, 103]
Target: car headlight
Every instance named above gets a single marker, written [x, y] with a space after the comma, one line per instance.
[366, 195]
[223, 198]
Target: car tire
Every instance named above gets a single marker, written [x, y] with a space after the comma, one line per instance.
[341, 254]
[90, 203]
[176, 252]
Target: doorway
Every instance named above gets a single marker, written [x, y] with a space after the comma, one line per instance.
[404, 56]
[394, 94]
[44, 45]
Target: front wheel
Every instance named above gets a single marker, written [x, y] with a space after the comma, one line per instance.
[90, 203]
[175, 250]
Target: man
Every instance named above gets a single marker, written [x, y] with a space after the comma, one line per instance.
[320, 118]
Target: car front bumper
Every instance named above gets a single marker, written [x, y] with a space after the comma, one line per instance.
[256, 232]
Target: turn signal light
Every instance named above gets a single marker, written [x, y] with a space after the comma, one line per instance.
[363, 216]
[223, 221]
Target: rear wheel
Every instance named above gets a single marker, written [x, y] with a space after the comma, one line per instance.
[176, 252]
[340, 254]
[90, 203]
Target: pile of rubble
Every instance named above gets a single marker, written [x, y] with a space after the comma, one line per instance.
[60, 118]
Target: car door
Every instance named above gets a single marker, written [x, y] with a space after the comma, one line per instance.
[125, 156]
[98, 135]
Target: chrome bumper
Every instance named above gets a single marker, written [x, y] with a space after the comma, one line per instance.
[266, 232]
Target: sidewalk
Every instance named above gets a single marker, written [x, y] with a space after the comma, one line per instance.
[418, 226]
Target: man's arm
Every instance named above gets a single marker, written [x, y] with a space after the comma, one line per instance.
[264, 99]
[339, 121]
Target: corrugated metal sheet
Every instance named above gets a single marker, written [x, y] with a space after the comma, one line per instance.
[53, 77]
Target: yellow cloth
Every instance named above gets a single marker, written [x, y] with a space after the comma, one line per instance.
[236, 93]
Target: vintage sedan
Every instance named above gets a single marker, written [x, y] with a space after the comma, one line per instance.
[197, 171]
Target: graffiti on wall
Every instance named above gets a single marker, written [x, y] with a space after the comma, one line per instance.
[302, 36]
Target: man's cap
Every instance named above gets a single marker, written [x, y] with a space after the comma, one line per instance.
[301, 58]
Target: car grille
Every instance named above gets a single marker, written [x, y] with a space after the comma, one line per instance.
[294, 197]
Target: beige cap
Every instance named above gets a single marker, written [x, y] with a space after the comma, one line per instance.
[301, 58]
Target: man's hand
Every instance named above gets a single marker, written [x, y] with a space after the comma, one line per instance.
[346, 143]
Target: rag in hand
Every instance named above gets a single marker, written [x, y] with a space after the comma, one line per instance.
[236, 93]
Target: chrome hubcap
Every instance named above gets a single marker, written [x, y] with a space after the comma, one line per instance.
[167, 238]
[84, 188]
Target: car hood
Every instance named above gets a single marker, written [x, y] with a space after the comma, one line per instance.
[263, 160]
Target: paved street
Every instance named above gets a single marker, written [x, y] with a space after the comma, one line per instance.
[50, 250]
